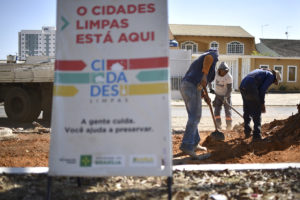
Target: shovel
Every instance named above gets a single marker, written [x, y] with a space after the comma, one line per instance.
[225, 102]
[216, 135]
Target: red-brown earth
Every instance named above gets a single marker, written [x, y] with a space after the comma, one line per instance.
[282, 145]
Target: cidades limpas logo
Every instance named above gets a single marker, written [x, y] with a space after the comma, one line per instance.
[110, 78]
[105, 78]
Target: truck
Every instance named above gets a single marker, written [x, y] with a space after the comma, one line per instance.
[26, 90]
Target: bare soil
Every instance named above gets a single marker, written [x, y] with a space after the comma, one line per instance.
[31, 146]
[281, 144]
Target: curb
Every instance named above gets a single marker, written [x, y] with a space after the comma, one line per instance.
[202, 167]
[220, 167]
[204, 105]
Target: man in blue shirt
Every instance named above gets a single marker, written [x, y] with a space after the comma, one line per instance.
[201, 72]
[253, 89]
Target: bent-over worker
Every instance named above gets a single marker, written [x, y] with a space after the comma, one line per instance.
[253, 89]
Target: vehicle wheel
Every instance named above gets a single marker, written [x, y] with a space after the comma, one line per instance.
[19, 105]
[36, 105]
[47, 115]
[47, 104]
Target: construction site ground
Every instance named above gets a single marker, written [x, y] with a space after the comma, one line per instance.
[30, 146]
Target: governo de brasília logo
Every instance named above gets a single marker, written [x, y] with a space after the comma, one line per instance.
[110, 78]
[85, 160]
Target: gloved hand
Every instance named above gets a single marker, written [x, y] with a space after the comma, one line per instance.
[199, 87]
[225, 99]
[263, 108]
[214, 103]
[206, 97]
[212, 91]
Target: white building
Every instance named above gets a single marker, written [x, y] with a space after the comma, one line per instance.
[37, 42]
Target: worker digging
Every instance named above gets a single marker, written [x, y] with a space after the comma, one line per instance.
[223, 89]
[253, 89]
[200, 72]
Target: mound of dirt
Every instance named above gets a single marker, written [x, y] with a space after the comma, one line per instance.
[280, 133]
[282, 144]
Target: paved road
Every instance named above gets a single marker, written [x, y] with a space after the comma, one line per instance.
[179, 116]
[288, 99]
[278, 106]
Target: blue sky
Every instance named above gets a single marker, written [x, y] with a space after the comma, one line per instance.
[267, 18]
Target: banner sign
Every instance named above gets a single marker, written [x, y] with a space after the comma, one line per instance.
[111, 98]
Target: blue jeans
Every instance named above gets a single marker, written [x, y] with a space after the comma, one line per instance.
[193, 103]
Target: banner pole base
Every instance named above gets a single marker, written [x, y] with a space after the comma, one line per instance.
[49, 183]
[169, 182]
[78, 182]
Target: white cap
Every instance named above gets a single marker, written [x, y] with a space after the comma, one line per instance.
[278, 77]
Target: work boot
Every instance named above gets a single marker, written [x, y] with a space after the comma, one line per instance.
[247, 134]
[199, 147]
[219, 123]
[228, 125]
[257, 138]
[188, 152]
[194, 156]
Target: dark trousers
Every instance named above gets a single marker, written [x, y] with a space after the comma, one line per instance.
[252, 109]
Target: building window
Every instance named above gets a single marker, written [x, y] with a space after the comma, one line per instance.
[189, 45]
[292, 73]
[263, 66]
[235, 48]
[280, 69]
[175, 82]
[214, 45]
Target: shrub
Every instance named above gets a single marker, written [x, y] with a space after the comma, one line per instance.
[282, 87]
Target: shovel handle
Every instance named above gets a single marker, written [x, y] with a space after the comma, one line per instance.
[210, 108]
[225, 102]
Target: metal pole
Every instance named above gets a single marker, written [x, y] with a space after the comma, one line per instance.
[78, 182]
[262, 30]
[169, 182]
[48, 197]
